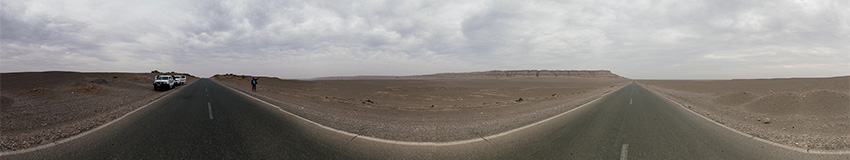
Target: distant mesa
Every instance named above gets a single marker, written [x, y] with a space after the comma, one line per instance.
[500, 74]
[231, 76]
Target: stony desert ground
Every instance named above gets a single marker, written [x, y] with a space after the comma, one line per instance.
[41, 107]
[430, 109]
[803, 112]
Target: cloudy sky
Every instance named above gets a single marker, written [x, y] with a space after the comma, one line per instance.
[679, 39]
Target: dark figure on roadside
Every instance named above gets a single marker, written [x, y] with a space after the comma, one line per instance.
[254, 84]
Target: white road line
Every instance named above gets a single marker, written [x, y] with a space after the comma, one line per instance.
[65, 140]
[412, 143]
[801, 150]
[624, 152]
[630, 101]
[209, 107]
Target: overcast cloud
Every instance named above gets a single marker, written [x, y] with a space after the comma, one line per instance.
[303, 39]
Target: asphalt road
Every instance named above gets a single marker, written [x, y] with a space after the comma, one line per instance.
[635, 123]
[206, 120]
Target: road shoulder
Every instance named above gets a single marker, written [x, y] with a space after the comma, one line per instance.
[758, 131]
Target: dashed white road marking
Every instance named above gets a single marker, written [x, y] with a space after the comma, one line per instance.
[419, 143]
[209, 107]
[630, 101]
[624, 152]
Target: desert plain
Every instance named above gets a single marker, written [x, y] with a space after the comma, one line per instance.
[428, 108]
[41, 107]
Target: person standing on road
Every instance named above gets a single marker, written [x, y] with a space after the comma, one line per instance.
[254, 84]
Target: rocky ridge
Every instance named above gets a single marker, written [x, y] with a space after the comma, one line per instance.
[500, 74]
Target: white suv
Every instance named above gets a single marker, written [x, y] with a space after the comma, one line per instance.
[163, 82]
[180, 79]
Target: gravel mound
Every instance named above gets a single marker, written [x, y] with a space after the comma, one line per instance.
[735, 98]
[779, 104]
[801, 112]
[826, 103]
[818, 103]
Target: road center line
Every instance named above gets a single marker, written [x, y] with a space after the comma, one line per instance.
[624, 152]
[630, 101]
[397, 142]
[209, 107]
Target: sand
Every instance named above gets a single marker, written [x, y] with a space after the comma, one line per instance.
[802, 112]
[41, 107]
[427, 109]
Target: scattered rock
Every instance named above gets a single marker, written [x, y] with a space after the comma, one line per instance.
[141, 79]
[368, 101]
[85, 88]
[519, 100]
[555, 95]
[39, 91]
[6, 101]
[100, 81]
[766, 120]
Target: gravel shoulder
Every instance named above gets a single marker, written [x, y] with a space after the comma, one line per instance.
[802, 112]
[426, 110]
[43, 107]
